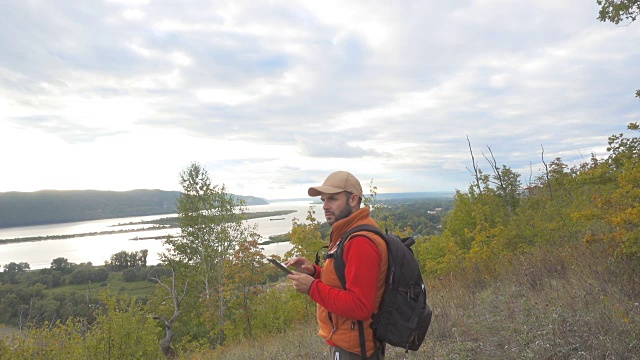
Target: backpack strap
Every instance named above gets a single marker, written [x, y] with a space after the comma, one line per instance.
[338, 260]
[318, 254]
[339, 266]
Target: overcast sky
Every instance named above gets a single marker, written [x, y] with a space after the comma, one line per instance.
[271, 96]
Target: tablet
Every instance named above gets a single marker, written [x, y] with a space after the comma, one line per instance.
[280, 266]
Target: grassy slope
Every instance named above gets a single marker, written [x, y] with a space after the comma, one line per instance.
[115, 285]
[570, 303]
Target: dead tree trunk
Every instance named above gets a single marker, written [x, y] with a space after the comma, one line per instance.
[475, 172]
[165, 343]
[546, 171]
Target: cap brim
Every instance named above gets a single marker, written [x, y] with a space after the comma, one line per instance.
[319, 190]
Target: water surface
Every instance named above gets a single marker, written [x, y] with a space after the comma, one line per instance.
[98, 248]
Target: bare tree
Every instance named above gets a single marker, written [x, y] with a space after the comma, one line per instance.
[165, 343]
[546, 172]
[500, 183]
[476, 171]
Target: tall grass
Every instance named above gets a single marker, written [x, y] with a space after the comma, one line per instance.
[563, 303]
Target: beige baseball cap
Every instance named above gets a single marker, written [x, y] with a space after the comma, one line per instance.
[338, 181]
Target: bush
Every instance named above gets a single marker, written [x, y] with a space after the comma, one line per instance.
[129, 275]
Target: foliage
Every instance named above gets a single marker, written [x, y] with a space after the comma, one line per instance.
[279, 307]
[379, 212]
[121, 331]
[62, 265]
[566, 302]
[65, 290]
[246, 271]
[211, 230]
[617, 11]
[306, 238]
[86, 275]
[125, 260]
[615, 217]
[514, 272]
[596, 201]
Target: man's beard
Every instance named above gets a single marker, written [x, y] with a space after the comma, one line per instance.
[344, 213]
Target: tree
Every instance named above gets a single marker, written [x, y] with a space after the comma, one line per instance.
[506, 181]
[121, 330]
[61, 264]
[176, 300]
[247, 273]
[129, 275]
[618, 11]
[616, 214]
[211, 226]
[119, 260]
[306, 239]
[13, 267]
[143, 257]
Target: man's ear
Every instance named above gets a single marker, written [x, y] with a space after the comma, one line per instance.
[353, 200]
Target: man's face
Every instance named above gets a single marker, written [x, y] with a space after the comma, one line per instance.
[336, 206]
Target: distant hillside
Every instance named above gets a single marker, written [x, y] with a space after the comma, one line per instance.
[416, 195]
[56, 206]
[391, 196]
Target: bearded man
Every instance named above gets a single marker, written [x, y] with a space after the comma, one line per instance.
[365, 256]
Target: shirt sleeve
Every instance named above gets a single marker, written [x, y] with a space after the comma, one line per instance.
[362, 260]
[317, 272]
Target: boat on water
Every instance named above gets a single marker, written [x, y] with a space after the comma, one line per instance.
[272, 219]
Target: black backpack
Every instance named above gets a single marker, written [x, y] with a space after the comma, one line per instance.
[404, 316]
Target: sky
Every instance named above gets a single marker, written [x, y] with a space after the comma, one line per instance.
[272, 96]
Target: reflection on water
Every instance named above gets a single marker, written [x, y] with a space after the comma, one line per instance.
[99, 248]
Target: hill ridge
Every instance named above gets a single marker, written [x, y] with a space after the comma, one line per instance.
[60, 206]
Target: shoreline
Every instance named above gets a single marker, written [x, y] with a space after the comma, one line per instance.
[162, 223]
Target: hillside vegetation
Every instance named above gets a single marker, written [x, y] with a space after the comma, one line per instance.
[549, 269]
[59, 206]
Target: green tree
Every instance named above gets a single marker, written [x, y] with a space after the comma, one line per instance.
[618, 11]
[378, 211]
[247, 271]
[144, 253]
[122, 330]
[306, 239]
[277, 308]
[61, 264]
[119, 260]
[211, 227]
[615, 217]
[13, 267]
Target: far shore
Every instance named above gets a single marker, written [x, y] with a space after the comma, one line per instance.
[162, 223]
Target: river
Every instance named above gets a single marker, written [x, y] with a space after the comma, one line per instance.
[98, 248]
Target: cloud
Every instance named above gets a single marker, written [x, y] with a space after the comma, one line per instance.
[333, 146]
[272, 96]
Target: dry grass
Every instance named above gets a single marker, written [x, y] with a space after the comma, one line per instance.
[570, 303]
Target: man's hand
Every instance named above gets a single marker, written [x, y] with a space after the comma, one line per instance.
[301, 264]
[301, 282]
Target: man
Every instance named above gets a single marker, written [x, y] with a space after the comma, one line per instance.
[365, 257]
